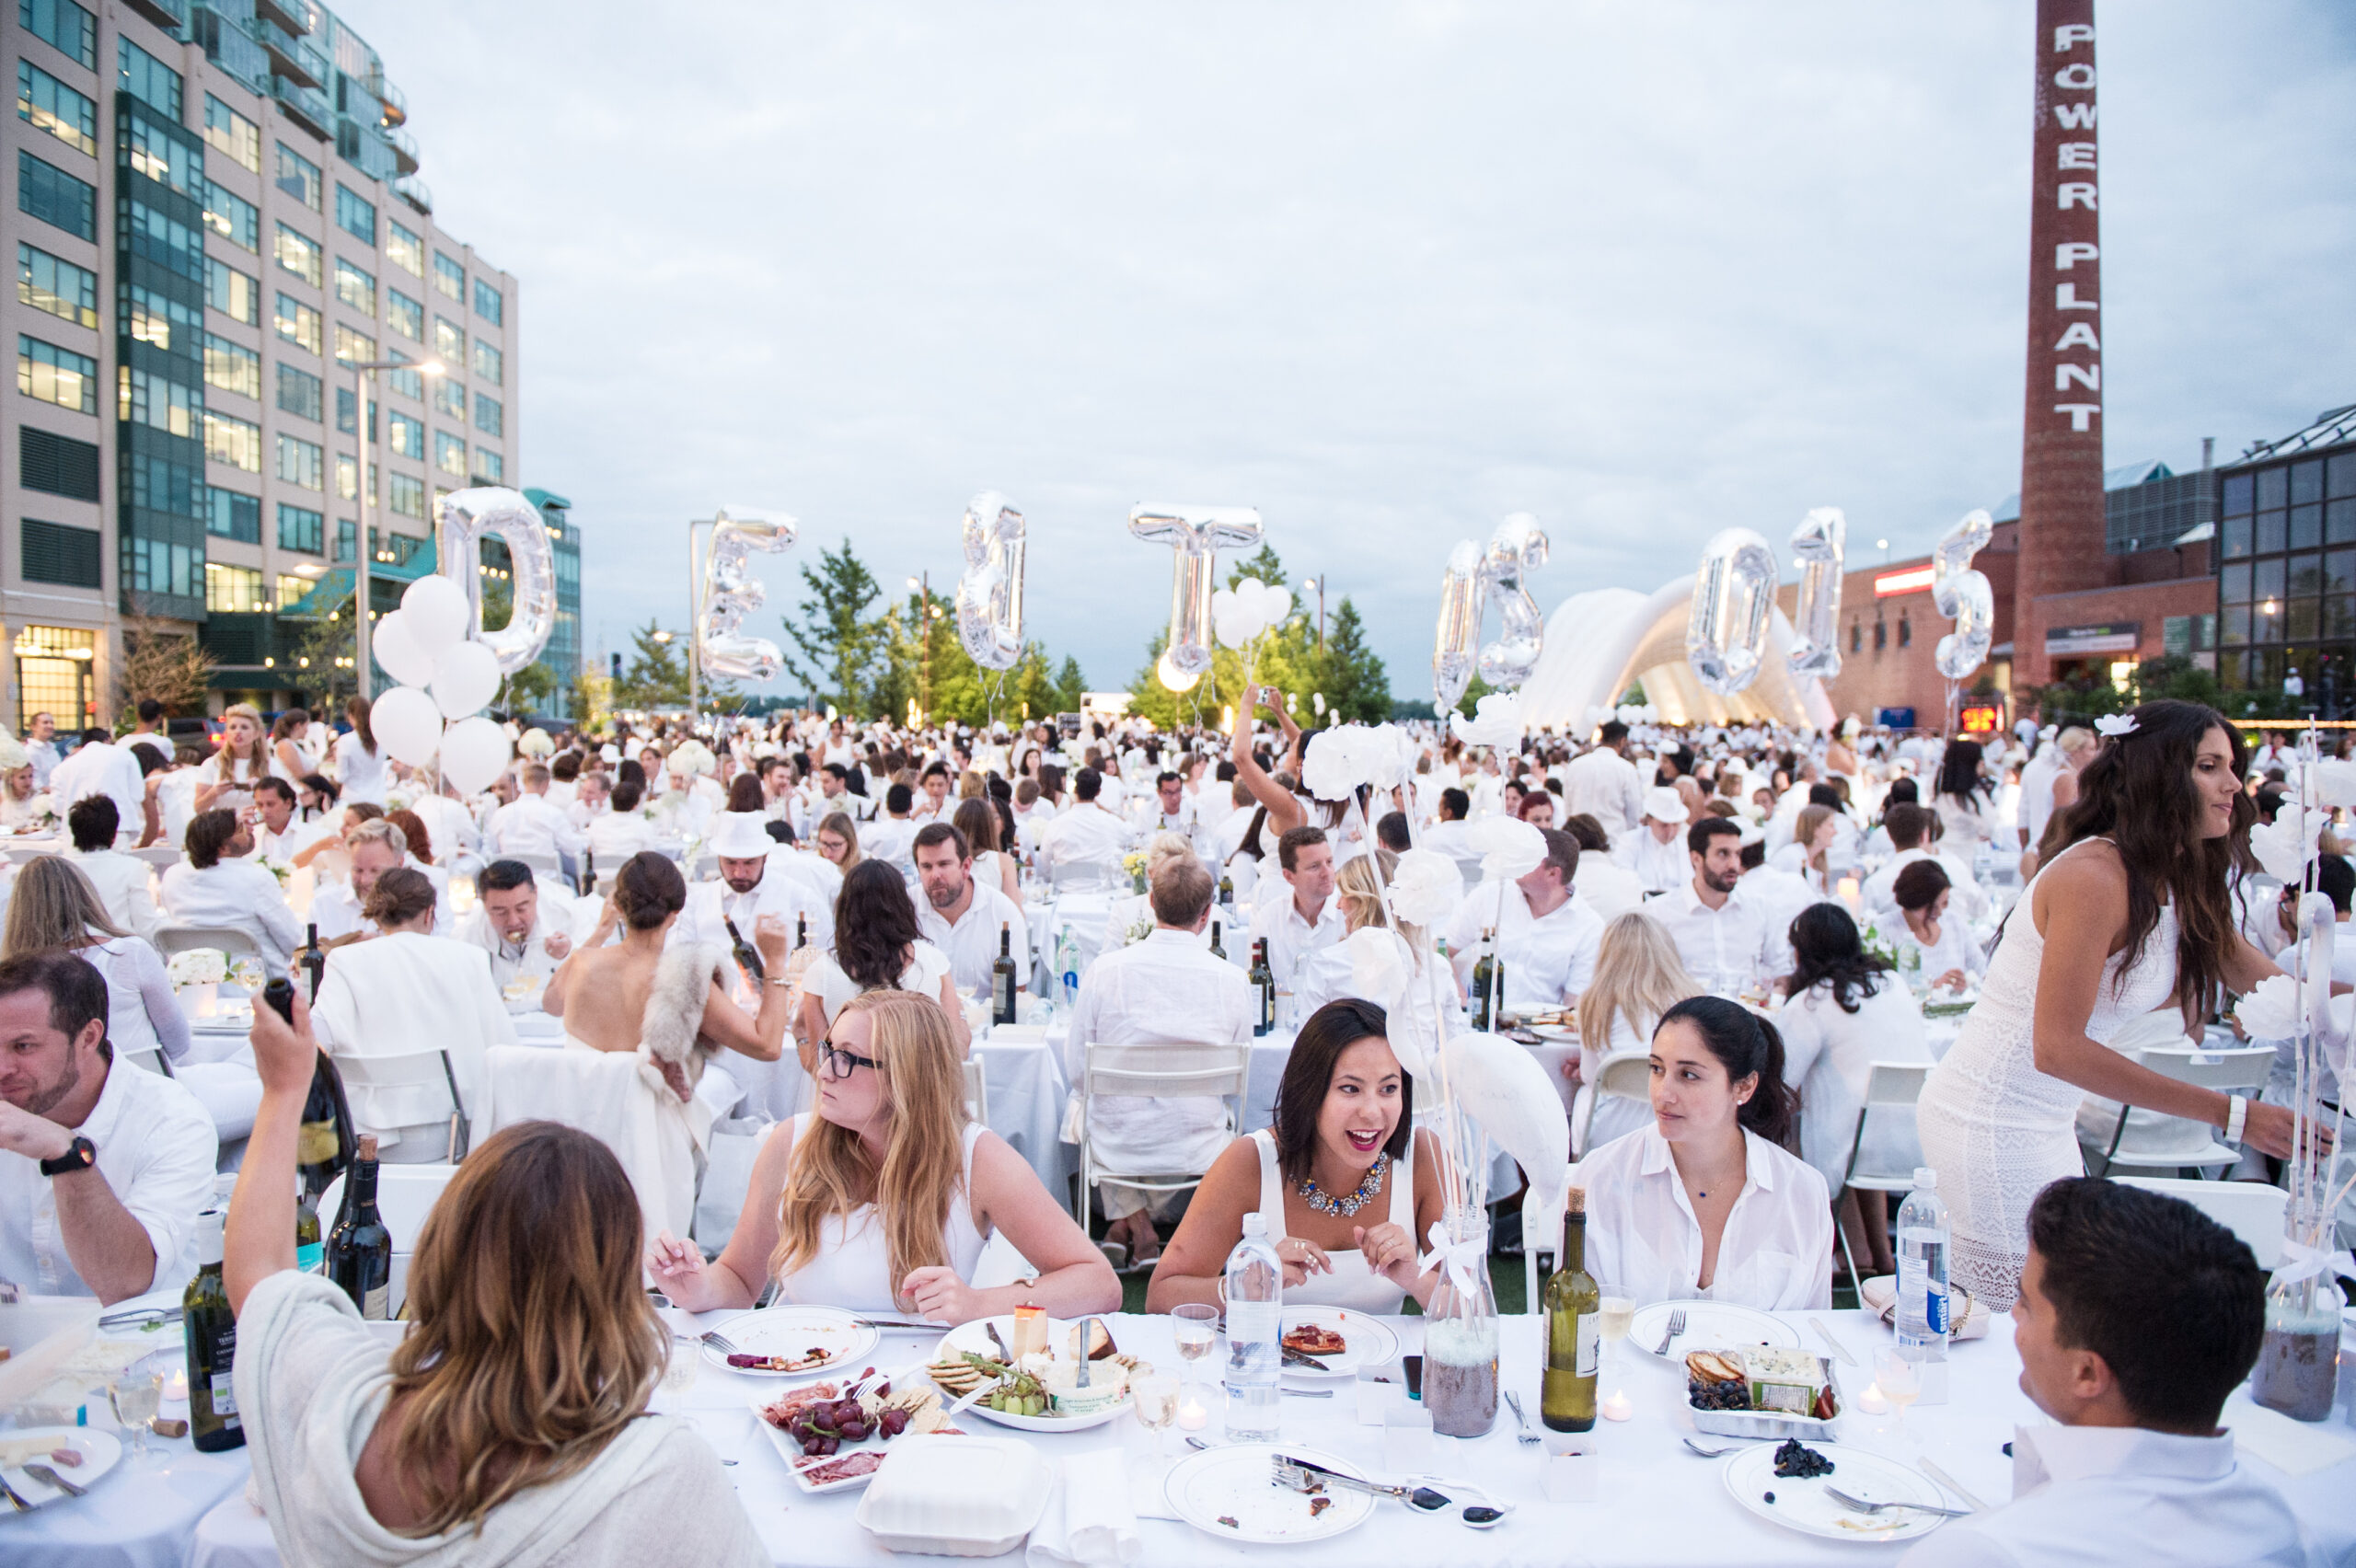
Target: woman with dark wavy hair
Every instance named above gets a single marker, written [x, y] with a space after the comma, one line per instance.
[2130, 912]
[877, 947]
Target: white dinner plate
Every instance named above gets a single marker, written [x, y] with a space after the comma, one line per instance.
[1554, 1033]
[975, 1337]
[794, 1332]
[1231, 1493]
[1709, 1325]
[1368, 1342]
[1802, 1505]
[100, 1452]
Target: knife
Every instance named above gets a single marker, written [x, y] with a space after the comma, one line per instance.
[1838, 1348]
[1299, 1358]
[1944, 1479]
[51, 1478]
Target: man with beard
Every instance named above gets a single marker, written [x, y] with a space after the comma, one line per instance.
[1724, 940]
[747, 890]
[963, 918]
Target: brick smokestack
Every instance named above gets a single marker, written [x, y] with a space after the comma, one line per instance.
[2061, 494]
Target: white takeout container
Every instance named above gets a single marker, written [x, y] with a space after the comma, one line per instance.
[955, 1496]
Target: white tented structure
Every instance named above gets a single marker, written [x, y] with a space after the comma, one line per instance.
[1601, 642]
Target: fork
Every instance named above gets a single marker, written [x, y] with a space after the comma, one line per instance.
[1525, 1436]
[721, 1344]
[1862, 1506]
[1676, 1327]
[1711, 1453]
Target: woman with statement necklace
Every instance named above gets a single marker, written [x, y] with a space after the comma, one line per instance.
[1345, 1182]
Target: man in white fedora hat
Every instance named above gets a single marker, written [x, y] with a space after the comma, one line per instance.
[748, 889]
[1656, 851]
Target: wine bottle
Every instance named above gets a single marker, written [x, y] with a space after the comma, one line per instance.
[748, 957]
[1002, 977]
[1264, 981]
[1484, 969]
[588, 871]
[1566, 1392]
[315, 962]
[310, 1251]
[209, 1330]
[1226, 891]
[323, 1140]
[359, 1250]
[1217, 950]
[801, 931]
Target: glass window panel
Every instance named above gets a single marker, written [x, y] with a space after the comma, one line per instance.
[404, 249]
[2306, 528]
[2273, 489]
[449, 344]
[487, 303]
[2339, 571]
[229, 515]
[2306, 481]
[300, 462]
[2339, 615]
[2270, 531]
[450, 398]
[2239, 490]
[354, 348]
[64, 27]
[449, 277]
[405, 316]
[449, 454]
[300, 392]
[2234, 538]
[490, 466]
[2339, 523]
[298, 323]
[2263, 627]
[2265, 579]
[408, 437]
[47, 104]
[2233, 584]
[235, 442]
[489, 363]
[2306, 575]
[490, 418]
[234, 589]
[354, 287]
[53, 196]
[232, 217]
[300, 529]
[298, 176]
[232, 293]
[56, 287]
[355, 214]
[147, 79]
[57, 375]
[2301, 624]
[233, 134]
[299, 255]
[232, 367]
[2342, 480]
[2233, 625]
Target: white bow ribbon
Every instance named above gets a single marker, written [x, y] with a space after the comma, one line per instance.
[2301, 1262]
[1461, 1259]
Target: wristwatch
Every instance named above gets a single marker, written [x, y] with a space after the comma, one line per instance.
[81, 1157]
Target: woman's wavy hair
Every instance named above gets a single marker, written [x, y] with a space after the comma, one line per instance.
[841, 826]
[54, 908]
[531, 1341]
[832, 1175]
[875, 926]
[2139, 793]
[1827, 951]
[1639, 974]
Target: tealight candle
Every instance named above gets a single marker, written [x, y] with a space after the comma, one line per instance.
[1192, 1416]
[1871, 1401]
[1617, 1406]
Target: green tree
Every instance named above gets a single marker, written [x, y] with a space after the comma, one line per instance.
[1356, 685]
[838, 645]
[1266, 565]
[319, 653]
[656, 676]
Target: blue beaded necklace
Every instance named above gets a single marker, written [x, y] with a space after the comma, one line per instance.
[1369, 1185]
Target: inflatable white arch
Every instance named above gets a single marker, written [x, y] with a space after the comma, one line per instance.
[1601, 642]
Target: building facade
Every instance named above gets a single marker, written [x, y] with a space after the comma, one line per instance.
[2286, 567]
[217, 217]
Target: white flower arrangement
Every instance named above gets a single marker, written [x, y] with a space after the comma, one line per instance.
[1496, 722]
[534, 742]
[689, 759]
[41, 810]
[199, 966]
[280, 869]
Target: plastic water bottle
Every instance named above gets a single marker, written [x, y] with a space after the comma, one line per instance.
[1924, 1304]
[1068, 966]
[1255, 1283]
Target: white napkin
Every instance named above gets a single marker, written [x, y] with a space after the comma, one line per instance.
[1088, 1523]
[2294, 1447]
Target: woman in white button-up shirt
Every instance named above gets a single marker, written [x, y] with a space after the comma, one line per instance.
[1703, 1204]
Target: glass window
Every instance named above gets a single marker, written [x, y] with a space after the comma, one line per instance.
[149, 317]
[47, 104]
[2273, 489]
[147, 79]
[489, 363]
[2233, 585]
[298, 323]
[450, 398]
[408, 437]
[66, 27]
[229, 515]
[153, 150]
[347, 487]
[2270, 531]
[404, 315]
[449, 278]
[354, 287]
[2339, 571]
[2265, 625]
[2233, 624]
[298, 176]
[57, 287]
[404, 249]
[299, 254]
[407, 495]
[2339, 616]
[449, 454]
[409, 384]
[487, 303]
[355, 215]
[300, 529]
[145, 231]
[449, 345]
[150, 399]
[2238, 488]
[57, 375]
[2306, 575]
[232, 367]
[300, 462]
[234, 589]
[300, 392]
[232, 217]
[354, 348]
[49, 194]
[232, 293]
[490, 418]
[2265, 579]
[2300, 624]
[345, 403]
[488, 466]
[2306, 481]
[2306, 528]
[233, 134]
[235, 442]
[2339, 523]
[2342, 479]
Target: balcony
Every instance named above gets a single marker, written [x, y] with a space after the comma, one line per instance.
[293, 15]
[304, 106]
[416, 193]
[170, 14]
[395, 102]
[230, 48]
[364, 147]
[296, 58]
[404, 148]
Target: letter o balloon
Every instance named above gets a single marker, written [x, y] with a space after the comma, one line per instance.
[1734, 599]
[989, 595]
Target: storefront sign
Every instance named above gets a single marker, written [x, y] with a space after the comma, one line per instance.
[2111, 636]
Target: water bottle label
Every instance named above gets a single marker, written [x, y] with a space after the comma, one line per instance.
[1935, 1310]
[307, 1258]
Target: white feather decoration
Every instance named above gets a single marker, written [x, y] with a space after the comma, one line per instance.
[1501, 1086]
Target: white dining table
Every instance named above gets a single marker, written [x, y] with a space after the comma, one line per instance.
[1650, 1504]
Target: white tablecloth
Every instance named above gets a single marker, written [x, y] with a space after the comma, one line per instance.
[1655, 1502]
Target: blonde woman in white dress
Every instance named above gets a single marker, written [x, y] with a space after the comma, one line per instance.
[227, 778]
[1638, 976]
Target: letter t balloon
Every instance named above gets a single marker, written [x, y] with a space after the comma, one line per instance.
[1195, 535]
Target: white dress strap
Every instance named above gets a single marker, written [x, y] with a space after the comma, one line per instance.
[1272, 1185]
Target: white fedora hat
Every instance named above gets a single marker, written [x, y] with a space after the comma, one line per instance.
[743, 835]
[1663, 804]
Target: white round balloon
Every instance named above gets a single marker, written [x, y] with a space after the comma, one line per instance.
[408, 723]
[392, 646]
[465, 678]
[437, 613]
[473, 753]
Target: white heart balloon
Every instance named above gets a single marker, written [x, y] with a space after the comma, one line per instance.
[396, 651]
[465, 678]
[474, 750]
[437, 613]
[408, 723]
[1275, 603]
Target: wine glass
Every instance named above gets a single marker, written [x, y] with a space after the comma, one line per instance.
[679, 1370]
[1613, 1316]
[1900, 1381]
[1156, 1398]
[135, 1392]
[1194, 1325]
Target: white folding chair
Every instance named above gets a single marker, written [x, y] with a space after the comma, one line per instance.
[2171, 1143]
[1173, 1071]
[1542, 1231]
[162, 856]
[1469, 867]
[173, 939]
[544, 862]
[369, 1077]
[405, 1195]
[1628, 1076]
[2251, 1210]
[1891, 1088]
[1067, 875]
[977, 1092]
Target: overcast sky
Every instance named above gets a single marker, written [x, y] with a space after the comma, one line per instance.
[1385, 271]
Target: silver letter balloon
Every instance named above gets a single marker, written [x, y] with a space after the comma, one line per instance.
[1963, 596]
[467, 518]
[990, 596]
[1734, 599]
[731, 593]
[1195, 535]
[1818, 544]
[1518, 549]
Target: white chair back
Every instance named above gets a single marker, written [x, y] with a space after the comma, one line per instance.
[1071, 875]
[1628, 1076]
[544, 863]
[1542, 1232]
[2251, 1210]
[174, 938]
[2148, 1141]
[1893, 1088]
[369, 1078]
[606, 1095]
[977, 1092]
[1178, 1070]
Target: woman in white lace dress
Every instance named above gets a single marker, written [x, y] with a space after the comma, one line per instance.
[2131, 914]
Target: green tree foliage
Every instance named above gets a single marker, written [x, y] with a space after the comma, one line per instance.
[656, 676]
[1353, 680]
[839, 643]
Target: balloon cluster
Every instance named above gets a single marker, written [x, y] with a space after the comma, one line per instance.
[990, 596]
[1734, 599]
[444, 675]
[731, 591]
[1963, 596]
[1518, 549]
[1818, 544]
[1195, 535]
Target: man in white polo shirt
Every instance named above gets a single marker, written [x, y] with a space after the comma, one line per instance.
[1724, 939]
[1656, 851]
[963, 918]
[1299, 915]
[1604, 784]
[1546, 935]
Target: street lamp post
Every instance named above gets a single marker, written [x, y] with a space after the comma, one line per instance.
[362, 440]
[1317, 585]
[921, 586]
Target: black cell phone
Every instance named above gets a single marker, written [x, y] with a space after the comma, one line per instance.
[280, 995]
[1415, 1365]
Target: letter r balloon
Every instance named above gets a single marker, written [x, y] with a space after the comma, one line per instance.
[1195, 535]
[1964, 596]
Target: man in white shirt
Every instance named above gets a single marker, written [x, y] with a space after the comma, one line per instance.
[1035, 807]
[1225, 838]
[2068, 751]
[1723, 939]
[1604, 785]
[1909, 827]
[1448, 831]
[891, 836]
[1656, 852]
[962, 917]
[103, 1166]
[1175, 810]
[40, 744]
[376, 846]
[836, 795]
[592, 798]
[98, 767]
[1547, 936]
[2138, 1315]
[529, 825]
[527, 929]
[1303, 916]
[932, 803]
[748, 888]
[121, 880]
[1165, 989]
[217, 886]
[1087, 833]
[280, 833]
